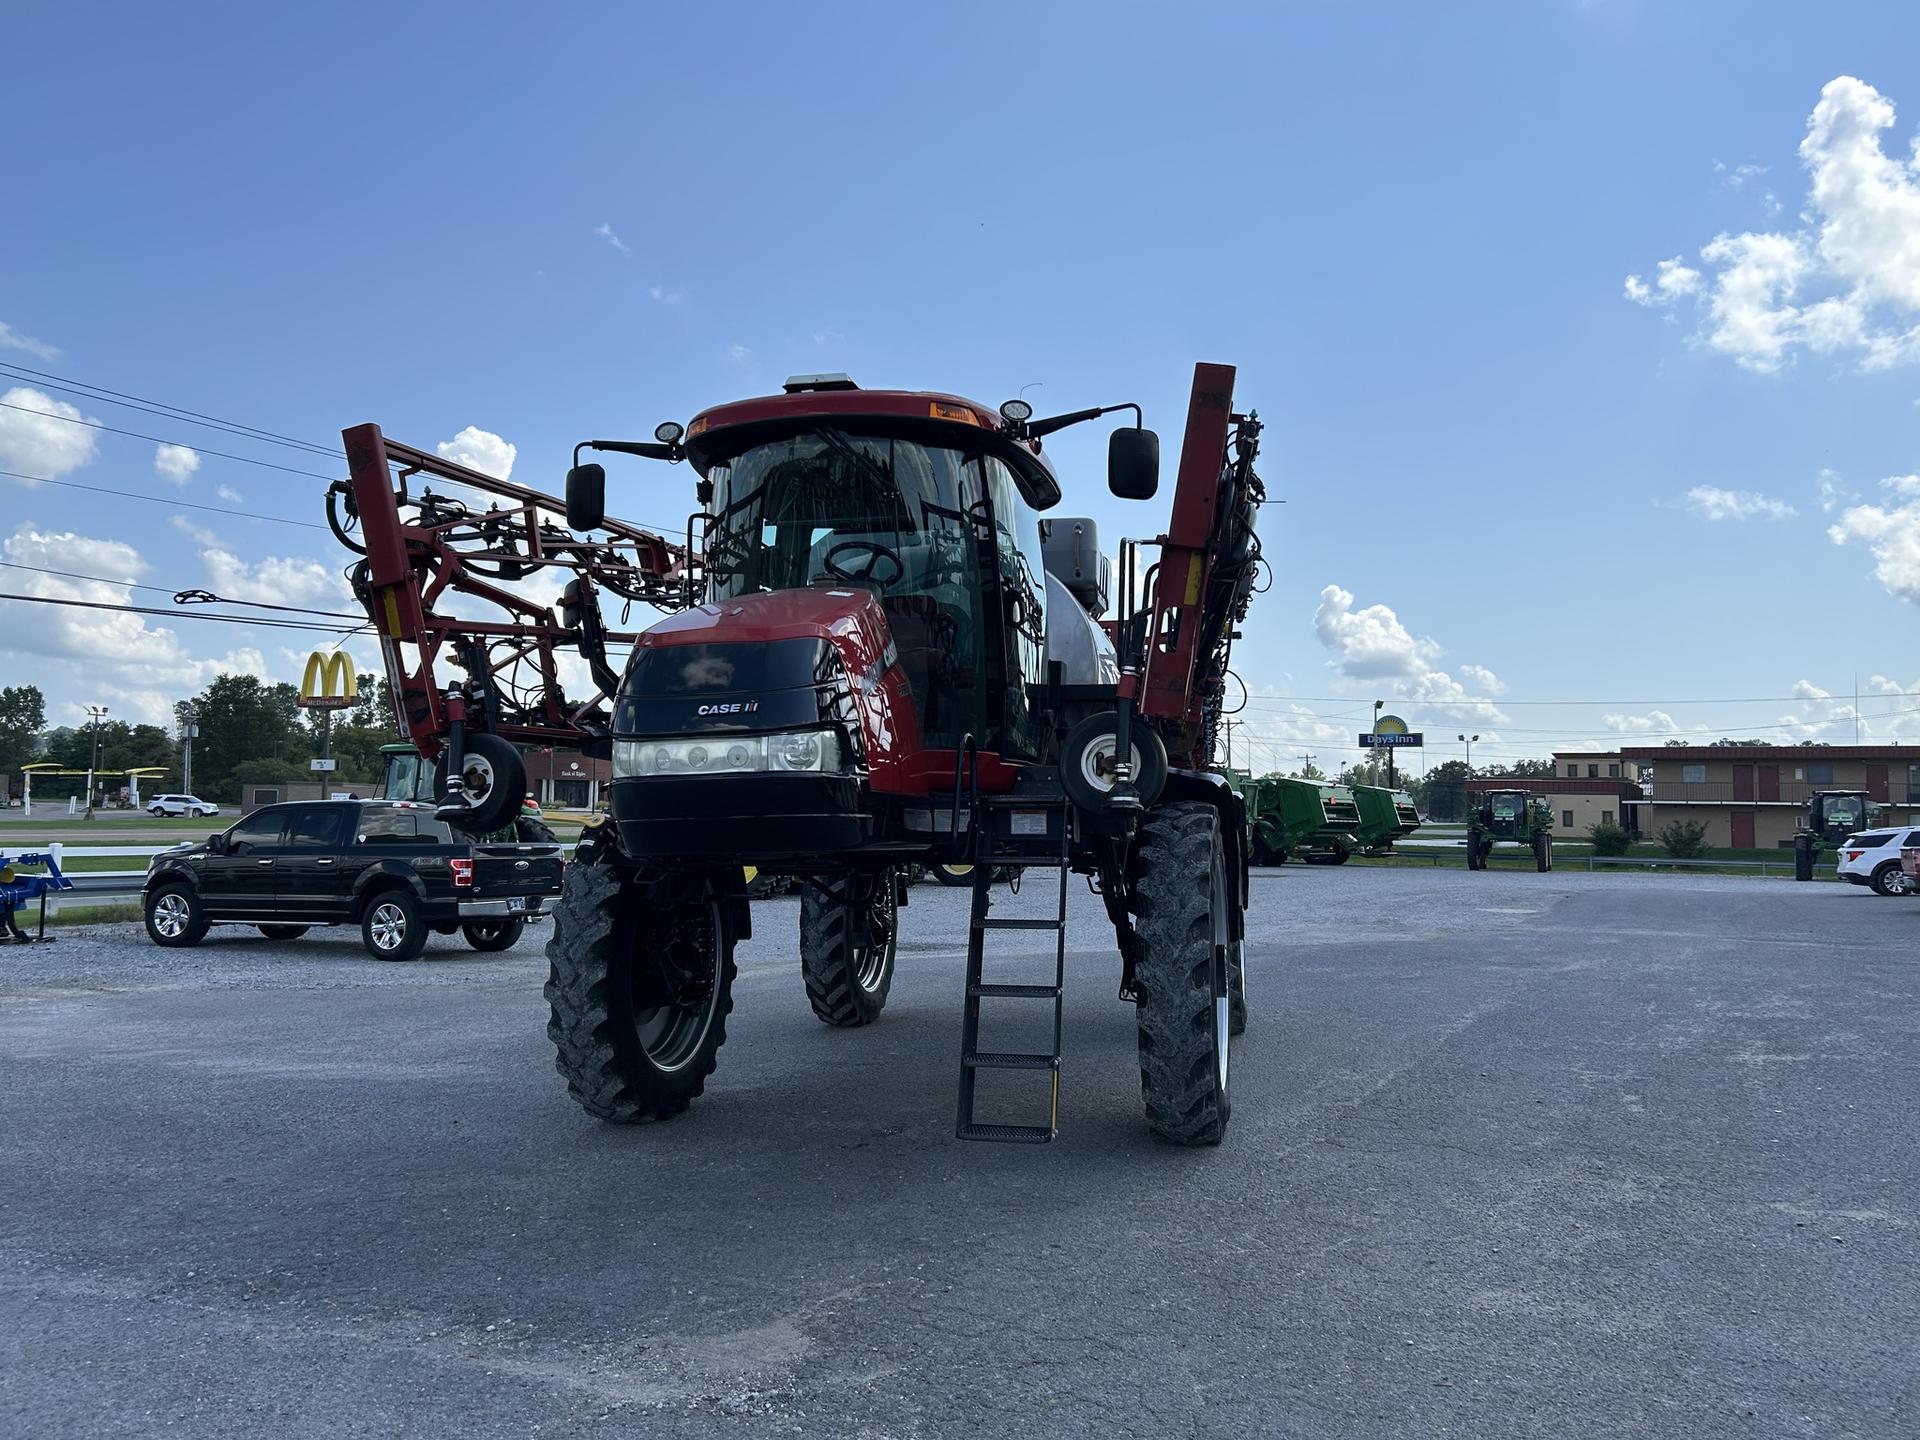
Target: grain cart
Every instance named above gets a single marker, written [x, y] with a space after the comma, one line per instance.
[1308, 819]
[1515, 815]
[870, 659]
[1385, 816]
[1830, 817]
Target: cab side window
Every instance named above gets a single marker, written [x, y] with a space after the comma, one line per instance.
[315, 827]
[259, 830]
[385, 827]
[1023, 589]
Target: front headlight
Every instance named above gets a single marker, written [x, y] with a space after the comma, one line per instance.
[802, 751]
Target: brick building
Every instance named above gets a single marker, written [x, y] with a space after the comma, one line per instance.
[1585, 789]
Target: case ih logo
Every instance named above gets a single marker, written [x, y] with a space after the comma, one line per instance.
[329, 682]
[735, 707]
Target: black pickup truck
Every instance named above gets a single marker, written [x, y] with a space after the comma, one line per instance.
[390, 868]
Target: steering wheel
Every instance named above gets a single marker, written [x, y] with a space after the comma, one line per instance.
[876, 554]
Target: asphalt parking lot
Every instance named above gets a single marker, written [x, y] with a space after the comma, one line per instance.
[1511, 1154]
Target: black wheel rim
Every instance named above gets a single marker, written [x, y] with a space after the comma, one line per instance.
[872, 958]
[686, 964]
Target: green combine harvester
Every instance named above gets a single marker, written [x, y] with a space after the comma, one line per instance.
[1310, 820]
[1385, 816]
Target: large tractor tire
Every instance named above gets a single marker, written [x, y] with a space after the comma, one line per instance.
[1237, 988]
[529, 831]
[1802, 858]
[638, 994]
[849, 937]
[1542, 851]
[1476, 857]
[1181, 949]
[957, 877]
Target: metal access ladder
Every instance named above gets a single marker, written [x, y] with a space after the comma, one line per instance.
[999, 840]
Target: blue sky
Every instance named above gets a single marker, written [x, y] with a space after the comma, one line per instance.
[1526, 478]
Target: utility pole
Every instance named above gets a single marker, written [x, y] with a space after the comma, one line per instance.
[1307, 760]
[189, 732]
[1228, 725]
[95, 713]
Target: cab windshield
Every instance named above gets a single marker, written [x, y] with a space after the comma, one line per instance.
[835, 509]
[1508, 807]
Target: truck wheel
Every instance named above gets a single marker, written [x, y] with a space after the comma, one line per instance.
[496, 782]
[849, 938]
[1890, 879]
[1087, 755]
[283, 932]
[174, 917]
[638, 995]
[953, 876]
[529, 831]
[1180, 972]
[391, 926]
[493, 934]
[1339, 857]
[1543, 852]
[1475, 860]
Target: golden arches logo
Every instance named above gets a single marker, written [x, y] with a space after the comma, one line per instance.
[329, 682]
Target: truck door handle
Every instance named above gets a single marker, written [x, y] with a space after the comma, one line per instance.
[263, 862]
[324, 860]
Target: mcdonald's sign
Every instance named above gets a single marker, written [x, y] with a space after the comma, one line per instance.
[329, 682]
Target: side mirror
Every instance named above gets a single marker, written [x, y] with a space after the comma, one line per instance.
[587, 497]
[1133, 464]
[216, 844]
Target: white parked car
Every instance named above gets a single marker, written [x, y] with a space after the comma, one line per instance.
[189, 805]
[1873, 858]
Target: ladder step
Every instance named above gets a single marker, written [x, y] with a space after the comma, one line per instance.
[1004, 1060]
[1010, 1134]
[1016, 992]
[1032, 860]
[991, 923]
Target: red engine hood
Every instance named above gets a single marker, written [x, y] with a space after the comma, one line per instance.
[852, 618]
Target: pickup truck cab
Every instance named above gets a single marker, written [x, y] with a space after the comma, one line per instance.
[390, 868]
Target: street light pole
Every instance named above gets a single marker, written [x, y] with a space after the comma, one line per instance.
[94, 716]
[189, 732]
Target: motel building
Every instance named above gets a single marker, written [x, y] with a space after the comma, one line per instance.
[1753, 796]
[1587, 788]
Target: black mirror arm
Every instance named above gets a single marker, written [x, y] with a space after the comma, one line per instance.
[1035, 429]
[645, 449]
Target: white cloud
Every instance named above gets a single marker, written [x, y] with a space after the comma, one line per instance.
[229, 494]
[1671, 280]
[668, 294]
[739, 354]
[605, 232]
[36, 439]
[1735, 177]
[1848, 279]
[176, 463]
[276, 580]
[1372, 644]
[1654, 722]
[86, 656]
[1710, 502]
[12, 339]
[1832, 493]
[480, 450]
[199, 534]
[1484, 678]
[1890, 533]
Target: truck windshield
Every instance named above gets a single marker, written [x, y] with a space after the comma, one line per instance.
[1508, 807]
[832, 508]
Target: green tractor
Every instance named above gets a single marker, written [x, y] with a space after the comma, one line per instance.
[1514, 815]
[409, 775]
[1831, 816]
[1306, 818]
[1385, 816]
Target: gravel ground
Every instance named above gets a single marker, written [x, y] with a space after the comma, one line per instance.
[1558, 1155]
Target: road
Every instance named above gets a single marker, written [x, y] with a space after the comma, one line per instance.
[1563, 1155]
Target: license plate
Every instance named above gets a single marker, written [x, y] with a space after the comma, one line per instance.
[516, 902]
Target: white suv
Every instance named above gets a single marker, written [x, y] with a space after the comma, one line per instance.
[190, 805]
[1873, 858]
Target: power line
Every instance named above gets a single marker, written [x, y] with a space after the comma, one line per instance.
[101, 395]
[157, 440]
[1499, 700]
[160, 499]
[260, 622]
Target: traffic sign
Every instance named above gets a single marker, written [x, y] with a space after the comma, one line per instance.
[323, 764]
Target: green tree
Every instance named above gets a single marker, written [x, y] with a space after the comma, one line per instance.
[23, 714]
[243, 720]
[1442, 793]
[1309, 771]
[1537, 769]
